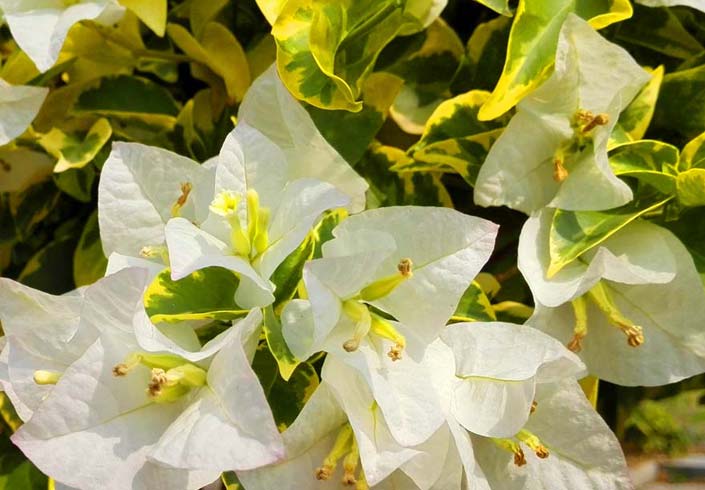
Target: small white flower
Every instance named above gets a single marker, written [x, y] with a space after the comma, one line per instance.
[139, 410]
[554, 150]
[631, 307]
[257, 217]
[413, 263]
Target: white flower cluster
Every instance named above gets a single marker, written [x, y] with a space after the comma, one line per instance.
[111, 400]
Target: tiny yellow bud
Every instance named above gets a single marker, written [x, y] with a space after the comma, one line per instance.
[225, 203]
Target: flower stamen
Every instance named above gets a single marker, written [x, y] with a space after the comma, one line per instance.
[341, 447]
[603, 300]
[534, 443]
[181, 201]
[513, 447]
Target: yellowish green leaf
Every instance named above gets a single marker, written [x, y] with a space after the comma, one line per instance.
[286, 361]
[690, 186]
[350, 133]
[635, 119]
[75, 151]
[151, 12]
[474, 306]
[575, 232]
[326, 49]
[220, 52]
[693, 154]
[206, 294]
[650, 161]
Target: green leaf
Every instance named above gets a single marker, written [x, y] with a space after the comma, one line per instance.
[457, 118]
[680, 110]
[272, 327]
[51, 268]
[151, 12]
[690, 230]
[324, 230]
[484, 56]
[202, 125]
[201, 13]
[454, 140]
[8, 413]
[532, 45]
[350, 133]
[16, 471]
[77, 182]
[575, 232]
[32, 206]
[205, 294]
[463, 156]
[635, 119]
[325, 50]
[286, 397]
[428, 72]
[75, 150]
[652, 162]
[660, 30]
[287, 275]
[126, 97]
[219, 51]
[388, 188]
[693, 154]
[690, 186]
[20, 168]
[474, 306]
[89, 262]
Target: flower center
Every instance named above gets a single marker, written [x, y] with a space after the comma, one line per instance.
[367, 322]
[583, 124]
[172, 377]
[246, 242]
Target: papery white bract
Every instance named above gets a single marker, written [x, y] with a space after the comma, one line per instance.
[19, 104]
[139, 187]
[41, 334]
[270, 108]
[110, 422]
[554, 150]
[584, 454]
[40, 26]
[650, 277]
[445, 249]
[479, 371]
[334, 413]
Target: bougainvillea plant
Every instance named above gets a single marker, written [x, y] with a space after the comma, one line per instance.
[391, 244]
